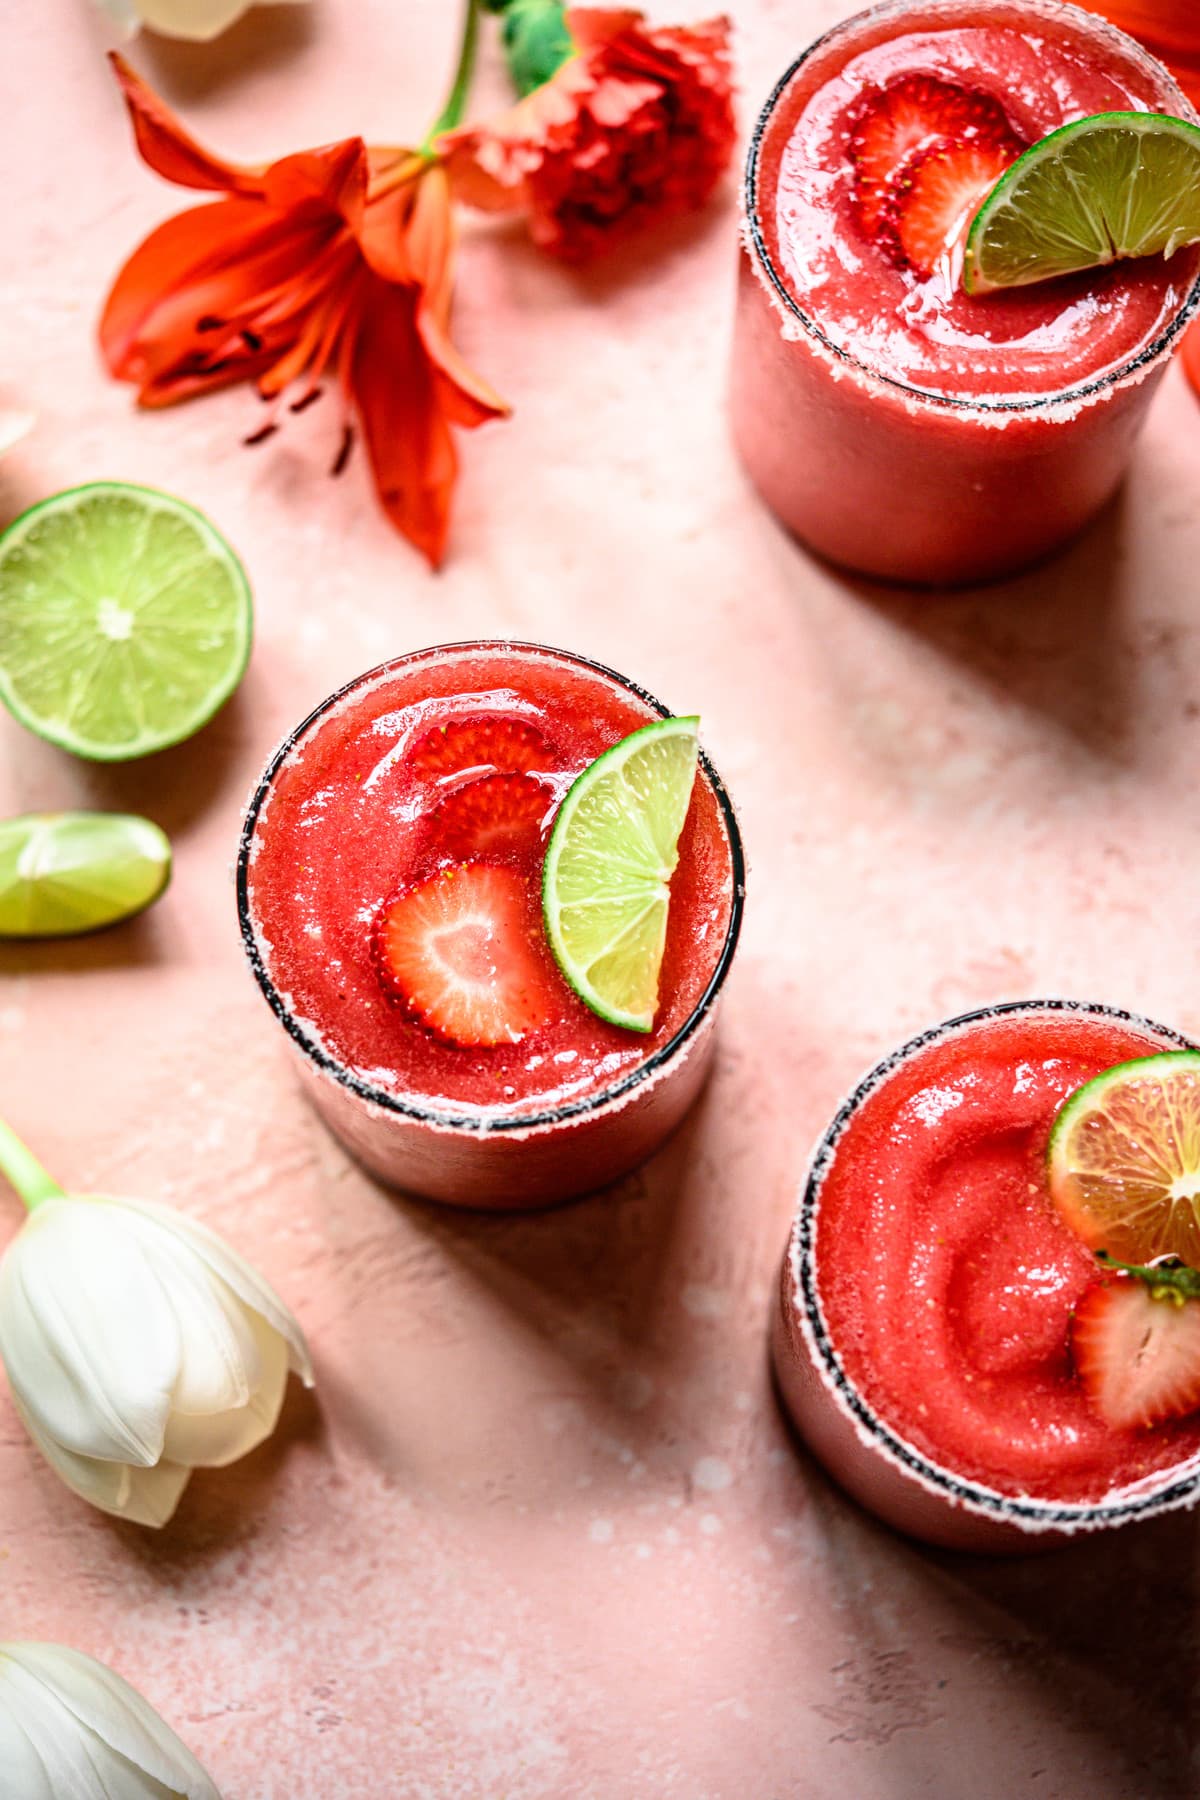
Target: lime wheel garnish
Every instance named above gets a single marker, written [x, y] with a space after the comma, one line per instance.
[1124, 1159]
[606, 880]
[1116, 185]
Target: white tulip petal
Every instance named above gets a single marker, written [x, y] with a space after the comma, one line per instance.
[127, 19]
[53, 1735]
[13, 427]
[215, 1440]
[242, 1277]
[195, 19]
[143, 1496]
[89, 1340]
[22, 1772]
[219, 1367]
[119, 1748]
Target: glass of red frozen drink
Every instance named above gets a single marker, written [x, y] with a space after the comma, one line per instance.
[389, 893]
[897, 424]
[930, 1288]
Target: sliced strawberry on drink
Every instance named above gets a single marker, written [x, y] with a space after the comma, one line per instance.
[460, 951]
[914, 113]
[1136, 1344]
[482, 818]
[937, 194]
[483, 741]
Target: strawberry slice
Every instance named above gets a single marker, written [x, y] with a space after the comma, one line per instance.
[914, 113]
[1136, 1344]
[499, 813]
[459, 951]
[481, 741]
[936, 195]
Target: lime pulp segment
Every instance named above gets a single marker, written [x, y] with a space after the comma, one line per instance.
[1124, 1159]
[63, 873]
[606, 882]
[125, 620]
[1116, 185]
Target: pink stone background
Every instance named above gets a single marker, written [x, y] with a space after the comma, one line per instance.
[541, 1533]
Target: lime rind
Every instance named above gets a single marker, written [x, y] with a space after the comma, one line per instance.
[1115, 185]
[606, 879]
[62, 874]
[125, 620]
[1123, 1160]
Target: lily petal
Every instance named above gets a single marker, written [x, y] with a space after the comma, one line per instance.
[407, 434]
[85, 1712]
[173, 152]
[467, 399]
[143, 1496]
[88, 1338]
[193, 247]
[244, 1279]
[334, 176]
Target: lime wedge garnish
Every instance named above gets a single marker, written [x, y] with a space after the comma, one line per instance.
[125, 620]
[613, 850]
[1124, 1159]
[67, 872]
[1116, 185]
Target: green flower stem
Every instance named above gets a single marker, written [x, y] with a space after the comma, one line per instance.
[456, 101]
[24, 1171]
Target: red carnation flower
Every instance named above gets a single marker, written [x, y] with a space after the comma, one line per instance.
[634, 127]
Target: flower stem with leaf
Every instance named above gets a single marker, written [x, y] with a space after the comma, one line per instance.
[536, 40]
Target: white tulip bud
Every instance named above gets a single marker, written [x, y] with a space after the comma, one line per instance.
[13, 426]
[70, 1729]
[138, 1347]
[196, 19]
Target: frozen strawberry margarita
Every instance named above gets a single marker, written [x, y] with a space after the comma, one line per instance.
[897, 423]
[946, 1341]
[391, 895]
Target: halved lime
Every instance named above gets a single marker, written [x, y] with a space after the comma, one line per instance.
[613, 850]
[1115, 185]
[62, 873]
[1124, 1159]
[125, 620]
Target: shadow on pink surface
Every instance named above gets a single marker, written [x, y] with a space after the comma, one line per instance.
[1055, 640]
[597, 1304]
[264, 38]
[1090, 1637]
[225, 1509]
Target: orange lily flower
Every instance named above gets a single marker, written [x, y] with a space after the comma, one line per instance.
[334, 262]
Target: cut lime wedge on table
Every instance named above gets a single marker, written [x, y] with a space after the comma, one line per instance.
[1124, 1159]
[125, 620]
[62, 873]
[605, 892]
[1116, 185]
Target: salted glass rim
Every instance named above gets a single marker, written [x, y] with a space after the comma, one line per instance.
[422, 1110]
[1051, 9]
[1027, 1511]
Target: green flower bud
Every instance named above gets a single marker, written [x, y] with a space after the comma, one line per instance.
[536, 40]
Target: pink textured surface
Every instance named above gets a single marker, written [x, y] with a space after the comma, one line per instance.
[542, 1533]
